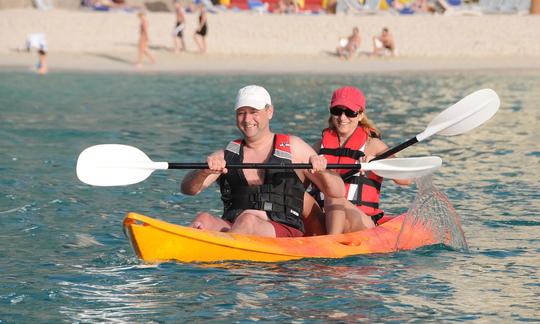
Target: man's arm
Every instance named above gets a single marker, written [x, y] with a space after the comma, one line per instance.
[329, 182]
[197, 180]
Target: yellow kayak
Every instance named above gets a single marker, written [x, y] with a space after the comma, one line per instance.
[157, 241]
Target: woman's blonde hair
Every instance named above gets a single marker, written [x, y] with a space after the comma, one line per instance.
[365, 123]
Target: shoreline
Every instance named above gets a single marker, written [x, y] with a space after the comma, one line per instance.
[248, 43]
[195, 64]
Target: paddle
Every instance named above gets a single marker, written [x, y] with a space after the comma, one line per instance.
[468, 113]
[118, 165]
[463, 116]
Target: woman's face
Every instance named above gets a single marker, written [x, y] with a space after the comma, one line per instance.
[345, 120]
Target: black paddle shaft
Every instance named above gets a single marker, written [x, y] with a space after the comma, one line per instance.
[386, 154]
[396, 149]
[353, 167]
[263, 166]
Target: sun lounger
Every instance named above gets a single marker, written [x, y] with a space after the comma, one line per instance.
[258, 6]
[369, 7]
[457, 8]
[43, 4]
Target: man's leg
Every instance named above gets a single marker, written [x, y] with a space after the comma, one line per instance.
[253, 222]
[206, 221]
[313, 217]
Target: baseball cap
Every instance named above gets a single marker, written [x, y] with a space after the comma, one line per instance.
[252, 96]
[349, 97]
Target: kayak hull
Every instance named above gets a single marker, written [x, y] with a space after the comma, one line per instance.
[156, 241]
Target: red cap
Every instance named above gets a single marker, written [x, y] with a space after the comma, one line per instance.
[349, 97]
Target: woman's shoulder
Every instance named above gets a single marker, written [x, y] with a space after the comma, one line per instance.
[375, 146]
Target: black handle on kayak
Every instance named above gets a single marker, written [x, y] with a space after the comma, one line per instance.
[263, 166]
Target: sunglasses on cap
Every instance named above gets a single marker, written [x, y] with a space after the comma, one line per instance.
[337, 111]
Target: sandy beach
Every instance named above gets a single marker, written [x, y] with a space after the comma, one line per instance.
[250, 43]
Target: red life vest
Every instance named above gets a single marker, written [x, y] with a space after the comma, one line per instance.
[363, 189]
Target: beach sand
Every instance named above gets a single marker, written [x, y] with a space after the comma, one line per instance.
[254, 43]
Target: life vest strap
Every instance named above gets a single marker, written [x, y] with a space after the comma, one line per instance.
[342, 151]
[370, 204]
[365, 181]
[265, 198]
[377, 217]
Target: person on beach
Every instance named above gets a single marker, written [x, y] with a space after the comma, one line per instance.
[350, 138]
[179, 44]
[37, 41]
[202, 29]
[261, 202]
[286, 7]
[41, 65]
[384, 42]
[348, 46]
[144, 39]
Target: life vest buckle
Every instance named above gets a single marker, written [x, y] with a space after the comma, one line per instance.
[267, 206]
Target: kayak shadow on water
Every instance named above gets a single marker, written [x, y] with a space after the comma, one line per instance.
[432, 210]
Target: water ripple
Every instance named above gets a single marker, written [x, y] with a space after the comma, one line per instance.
[64, 257]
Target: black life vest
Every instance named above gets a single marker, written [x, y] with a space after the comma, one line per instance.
[281, 195]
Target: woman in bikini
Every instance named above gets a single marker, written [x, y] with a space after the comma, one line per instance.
[143, 41]
[202, 30]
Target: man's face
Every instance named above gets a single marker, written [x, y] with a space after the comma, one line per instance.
[253, 122]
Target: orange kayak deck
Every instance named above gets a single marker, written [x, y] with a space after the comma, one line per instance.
[157, 241]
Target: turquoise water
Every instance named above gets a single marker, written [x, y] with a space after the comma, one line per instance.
[64, 257]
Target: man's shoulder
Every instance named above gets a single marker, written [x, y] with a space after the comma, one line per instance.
[295, 140]
[299, 148]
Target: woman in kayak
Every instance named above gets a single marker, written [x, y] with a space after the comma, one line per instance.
[350, 138]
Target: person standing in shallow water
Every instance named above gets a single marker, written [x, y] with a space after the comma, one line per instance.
[202, 29]
[144, 39]
[179, 44]
[41, 66]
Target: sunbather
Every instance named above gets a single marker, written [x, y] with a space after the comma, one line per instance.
[384, 42]
[348, 46]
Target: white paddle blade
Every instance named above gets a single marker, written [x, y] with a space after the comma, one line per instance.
[468, 113]
[114, 165]
[404, 168]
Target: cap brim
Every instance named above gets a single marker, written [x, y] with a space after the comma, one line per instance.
[347, 105]
[259, 105]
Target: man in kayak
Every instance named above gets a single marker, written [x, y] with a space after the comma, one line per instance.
[261, 202]
[351, 138]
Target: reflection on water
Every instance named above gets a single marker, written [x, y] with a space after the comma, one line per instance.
[117, 299]
[64, 257]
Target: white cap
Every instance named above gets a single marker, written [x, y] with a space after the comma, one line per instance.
[253, 96]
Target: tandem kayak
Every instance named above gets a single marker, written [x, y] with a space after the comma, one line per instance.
[157, 241]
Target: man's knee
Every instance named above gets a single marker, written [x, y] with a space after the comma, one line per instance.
[246, 221]
[202, 220]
